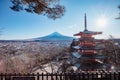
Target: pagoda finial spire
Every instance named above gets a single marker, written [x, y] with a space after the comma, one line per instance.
[85, 23]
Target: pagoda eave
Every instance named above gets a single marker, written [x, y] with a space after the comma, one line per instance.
[87, 32]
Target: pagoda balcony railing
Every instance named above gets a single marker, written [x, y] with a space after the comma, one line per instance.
[100, 75]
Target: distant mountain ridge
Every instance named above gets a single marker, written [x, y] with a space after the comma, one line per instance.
[55, 36]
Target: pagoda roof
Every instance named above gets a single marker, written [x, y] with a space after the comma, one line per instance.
[88, 56]
[76, 54]
[87, 32]
[87, 48]
[92, 65]
[93, 56]
[76, 47]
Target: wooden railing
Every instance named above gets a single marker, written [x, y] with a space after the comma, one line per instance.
[63, 76]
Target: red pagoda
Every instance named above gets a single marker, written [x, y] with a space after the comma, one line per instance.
[84, 55]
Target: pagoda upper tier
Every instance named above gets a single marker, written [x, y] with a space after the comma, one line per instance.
[86, 32]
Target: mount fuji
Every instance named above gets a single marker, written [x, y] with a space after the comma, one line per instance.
[55, 36]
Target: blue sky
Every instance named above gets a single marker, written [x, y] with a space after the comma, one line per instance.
[22, 25]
